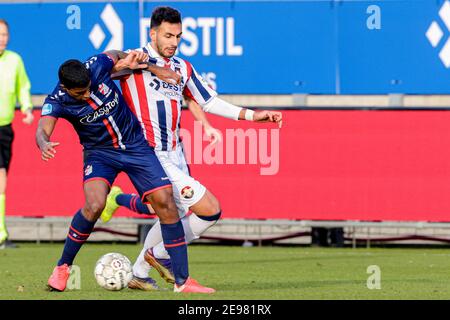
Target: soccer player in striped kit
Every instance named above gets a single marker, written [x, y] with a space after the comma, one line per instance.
[157, 105]
[113, 142]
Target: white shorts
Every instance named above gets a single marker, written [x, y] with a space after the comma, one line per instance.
[186, 190]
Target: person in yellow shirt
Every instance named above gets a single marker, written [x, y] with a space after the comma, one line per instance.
[14, 86]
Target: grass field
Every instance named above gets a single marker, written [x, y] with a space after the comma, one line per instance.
[246, 273]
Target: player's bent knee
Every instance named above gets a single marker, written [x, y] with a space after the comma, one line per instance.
[161, 198]
[208, 205]
[164, 204]
[215, 205]
[93, 209]
[212, 201]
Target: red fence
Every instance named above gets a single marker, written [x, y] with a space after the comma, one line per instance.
[332, 165]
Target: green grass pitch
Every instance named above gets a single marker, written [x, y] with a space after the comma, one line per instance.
[255, 273]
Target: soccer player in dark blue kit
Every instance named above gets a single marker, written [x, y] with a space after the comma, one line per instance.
[113, 142]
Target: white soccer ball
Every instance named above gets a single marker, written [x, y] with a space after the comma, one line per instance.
[113, 271]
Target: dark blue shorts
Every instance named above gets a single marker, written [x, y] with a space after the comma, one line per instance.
[140, 164]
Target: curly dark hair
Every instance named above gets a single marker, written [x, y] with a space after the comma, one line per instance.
[164, 14]
[73, 74]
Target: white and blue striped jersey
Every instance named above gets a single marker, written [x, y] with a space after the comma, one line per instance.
[157, 104]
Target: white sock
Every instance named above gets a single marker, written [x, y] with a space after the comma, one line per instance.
[160, 252]
[193, 227]
[141, 268]
[197, 226]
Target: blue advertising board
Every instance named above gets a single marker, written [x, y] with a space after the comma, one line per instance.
[255, 47]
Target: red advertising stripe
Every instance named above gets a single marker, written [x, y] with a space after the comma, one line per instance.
[332, 165]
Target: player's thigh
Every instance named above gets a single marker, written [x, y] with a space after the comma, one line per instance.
[95, 193]
[100, 171]
[152, 183]
[181, 207]
[100, 165]
[146, 173]
[187, 191]
[208, 205]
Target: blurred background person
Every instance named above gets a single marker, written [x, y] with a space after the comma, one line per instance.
[14, 87]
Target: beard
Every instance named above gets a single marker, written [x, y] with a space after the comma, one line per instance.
[162, 54]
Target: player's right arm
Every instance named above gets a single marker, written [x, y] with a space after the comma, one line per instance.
[50, 113]
[43, 133]
[212, 133]
[197, 89]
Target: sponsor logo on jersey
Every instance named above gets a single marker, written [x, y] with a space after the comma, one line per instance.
[105, 110]
[165, 88]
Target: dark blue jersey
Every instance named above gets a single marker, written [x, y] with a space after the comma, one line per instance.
[105, 120]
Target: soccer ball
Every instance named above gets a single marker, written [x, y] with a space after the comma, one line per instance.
[113, 271]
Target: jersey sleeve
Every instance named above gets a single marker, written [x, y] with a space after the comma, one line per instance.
[197, 88]
[51, 108]
[100, 65]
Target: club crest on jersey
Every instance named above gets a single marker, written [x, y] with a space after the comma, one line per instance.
[88, 170]
[104, 89]
[187, 192]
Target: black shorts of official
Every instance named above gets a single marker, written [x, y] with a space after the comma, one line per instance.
[6, 140]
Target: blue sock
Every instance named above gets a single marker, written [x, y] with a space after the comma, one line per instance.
[79, 232]
[132, 202]
[175, 244]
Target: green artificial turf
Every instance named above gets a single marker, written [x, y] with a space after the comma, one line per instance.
[255, 273]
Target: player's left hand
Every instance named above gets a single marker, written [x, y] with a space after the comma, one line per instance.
[28, 119]
[134, 60]
[214, 135]
[166, 74]
[268, 116]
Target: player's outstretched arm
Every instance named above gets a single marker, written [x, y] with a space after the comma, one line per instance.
[222, 108]
[262, 116]
[126, 62]
[212, 133]
[44, 131]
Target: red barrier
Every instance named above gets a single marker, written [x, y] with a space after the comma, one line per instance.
[333, 165]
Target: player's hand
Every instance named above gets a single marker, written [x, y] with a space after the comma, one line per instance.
[28, 119]
[214, 135]
[268, 116]
[48, 150]
[135, 60]
[166, 74]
